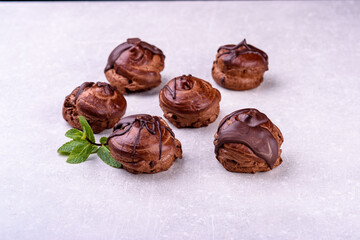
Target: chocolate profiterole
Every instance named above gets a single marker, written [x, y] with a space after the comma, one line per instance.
[247, 141]
[144, 144]
[135, 66]
[100, 103]
[239, 67]
[188, 101]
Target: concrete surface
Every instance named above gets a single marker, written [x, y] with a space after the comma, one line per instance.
[311, 92]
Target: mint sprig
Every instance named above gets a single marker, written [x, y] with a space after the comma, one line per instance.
[74, 134]
[83, 145]
[88, 132]
[68, 147]
[104, 154]
[80, 153]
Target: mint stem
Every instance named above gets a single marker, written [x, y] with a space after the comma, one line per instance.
[93, 143]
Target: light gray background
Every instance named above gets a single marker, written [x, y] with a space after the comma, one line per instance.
[311, 92]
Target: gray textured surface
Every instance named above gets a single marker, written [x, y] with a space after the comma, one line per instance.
[311, 92]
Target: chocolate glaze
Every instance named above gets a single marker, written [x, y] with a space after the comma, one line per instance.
[185, 84]
[241, 49]
[109, 90]
[130, 42]
[172, 92]
[246, 129]
[144, 120]
[82, 88]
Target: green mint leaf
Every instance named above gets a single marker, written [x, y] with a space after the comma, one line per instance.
[87, 129]
[103, 140]
[68, 147]
[104, 154]
[95, 149]
[80, 153]
[74, 134]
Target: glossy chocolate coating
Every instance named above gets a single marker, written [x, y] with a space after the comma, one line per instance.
[82, 88]
[188, 101]
[144, 144]
[239, 67]
[144, 120]
[135, 66]
[130, 42]
[188, 94]
[233, 51]
[100, 103]
[245, 129]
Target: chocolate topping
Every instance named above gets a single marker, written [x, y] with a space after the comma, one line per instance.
[130, 42]
[109, 90]
[245, 129]
[82, 88]
[107, 87]
[144, 120]
[233, 51]
[187, 94]
[100, 103]
[172, 92]
[185, 84]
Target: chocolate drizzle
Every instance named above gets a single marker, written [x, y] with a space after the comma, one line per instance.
[241, 49]
[130, 42]
[245, 129]
[82, 88]
[185, 84]
[172, 92]
[144, 120]
[107, 88]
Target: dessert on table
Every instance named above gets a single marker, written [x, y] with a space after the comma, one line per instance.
[188, 101]
[144, 144]
[239, 67]
[101, 104]
[135, 66]
[247, 141]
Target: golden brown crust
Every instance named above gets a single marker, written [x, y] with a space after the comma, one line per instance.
[188, 101]
[241, 68]
[238, 157]
[135, 68]
[100, 104]
[150, 155]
